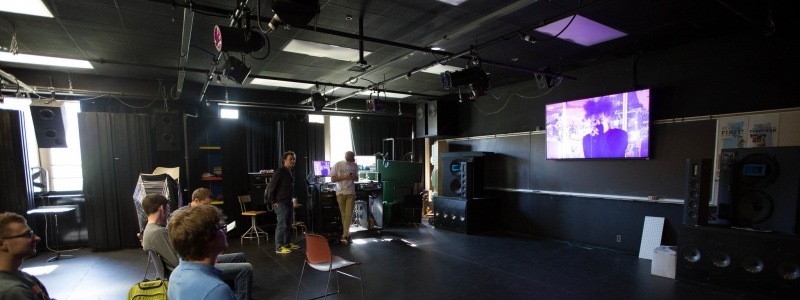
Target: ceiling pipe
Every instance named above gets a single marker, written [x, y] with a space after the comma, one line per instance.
[186, 38]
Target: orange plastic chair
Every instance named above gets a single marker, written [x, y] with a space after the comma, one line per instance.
[319, 257]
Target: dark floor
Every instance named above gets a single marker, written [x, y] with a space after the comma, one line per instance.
[406, 263]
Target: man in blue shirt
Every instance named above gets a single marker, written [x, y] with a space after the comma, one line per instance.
[17, 241]
[198, 235]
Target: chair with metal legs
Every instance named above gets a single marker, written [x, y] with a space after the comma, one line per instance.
[319, 257]
[254, 232]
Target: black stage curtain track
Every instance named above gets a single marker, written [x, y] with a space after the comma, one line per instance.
[369, 132]
[115, 148]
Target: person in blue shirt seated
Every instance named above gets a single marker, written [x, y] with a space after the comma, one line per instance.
[17, 242]
[198, 235]
[155, 237]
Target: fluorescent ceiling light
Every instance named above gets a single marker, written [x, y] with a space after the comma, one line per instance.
[581, 31]
[25, 7]
[226, 113]
[323, 50]
[44, 60]
[453, 2]
[439, 69]
[281, 83]
[385, 94]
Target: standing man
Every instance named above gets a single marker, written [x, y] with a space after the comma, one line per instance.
[17, 241]
[280, 193]
[233, 265]
[345, 173]
[198, 234]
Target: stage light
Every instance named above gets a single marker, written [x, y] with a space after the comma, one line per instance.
[293, 12]
[475, 78]
[237, 39]
[318, 100]
[235, 69]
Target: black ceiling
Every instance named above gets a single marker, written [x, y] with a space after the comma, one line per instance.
[141, 39]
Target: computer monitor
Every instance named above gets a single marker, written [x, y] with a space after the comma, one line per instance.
[322, 168]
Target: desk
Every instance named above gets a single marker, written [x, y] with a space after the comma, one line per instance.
[55, 210]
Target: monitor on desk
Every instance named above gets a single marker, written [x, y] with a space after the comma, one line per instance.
[322, 168]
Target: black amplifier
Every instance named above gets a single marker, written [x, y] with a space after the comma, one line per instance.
[368, 186]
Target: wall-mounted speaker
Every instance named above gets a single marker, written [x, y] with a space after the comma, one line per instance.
[168, 128]
[48, 121]
[436, 119]
[760, 188]
[705, 255]
[462, 174]
[698, 190]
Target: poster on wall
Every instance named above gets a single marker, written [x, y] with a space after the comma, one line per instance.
[762, 131]
[731, 132]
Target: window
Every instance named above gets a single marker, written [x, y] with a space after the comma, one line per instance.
[341, 137]
[63, 164]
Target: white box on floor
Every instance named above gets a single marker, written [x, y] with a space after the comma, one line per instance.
[664, 261]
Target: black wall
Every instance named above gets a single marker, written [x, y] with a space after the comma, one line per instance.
[742, 73]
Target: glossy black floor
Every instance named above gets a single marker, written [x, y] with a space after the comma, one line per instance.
[406, 263]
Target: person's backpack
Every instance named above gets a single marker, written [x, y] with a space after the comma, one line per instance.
[149, 290]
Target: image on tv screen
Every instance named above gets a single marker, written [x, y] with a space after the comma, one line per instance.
[612, 126]
[322, 168]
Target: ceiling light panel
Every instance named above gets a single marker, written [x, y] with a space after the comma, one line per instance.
[323, 50]
[44, 60]
[25, 7]
[281, 83]
[438, 69]
[581, 31]
[384, 94]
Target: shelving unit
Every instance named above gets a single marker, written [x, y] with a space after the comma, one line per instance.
[213, 160]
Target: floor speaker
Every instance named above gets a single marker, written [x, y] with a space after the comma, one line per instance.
[462, 174]
[168, 127]
[48, 121]
[466, 215]
[768, 264]
[705, 255]
[763, 188]
[698, 189]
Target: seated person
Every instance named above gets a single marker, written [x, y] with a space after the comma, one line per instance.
[198, 234]
[17, 242]
[233, 266]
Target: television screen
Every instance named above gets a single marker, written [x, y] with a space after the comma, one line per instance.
[322, 168]
[612, 126]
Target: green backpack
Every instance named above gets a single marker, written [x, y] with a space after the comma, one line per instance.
[149, 290]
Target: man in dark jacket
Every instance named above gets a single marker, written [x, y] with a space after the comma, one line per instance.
[280, 193]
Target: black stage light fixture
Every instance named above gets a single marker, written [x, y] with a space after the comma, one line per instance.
[475, 78]
[318, 100]
[237, 39]
[235, 69]
[293, 12]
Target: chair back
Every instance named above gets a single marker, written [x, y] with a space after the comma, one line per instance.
[317, 249]
[161, 272]
[243, 201]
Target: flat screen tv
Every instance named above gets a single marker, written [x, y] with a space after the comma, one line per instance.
[322, 168]
[606, 127]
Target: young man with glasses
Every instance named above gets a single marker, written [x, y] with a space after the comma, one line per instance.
[17, 241]
[234, 266]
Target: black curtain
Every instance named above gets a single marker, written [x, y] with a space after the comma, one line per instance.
[369, 132]
[15, 189]
[115, 148]
[261, 134]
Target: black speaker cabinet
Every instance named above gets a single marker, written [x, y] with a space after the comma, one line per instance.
[436, 119]
[326, 219]
[762, 186]
[705, 255]
[768, 264]
[462, 174]
[698, 190]
[168, 129]
[764, 263]
[466, 215]
[48, 121]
